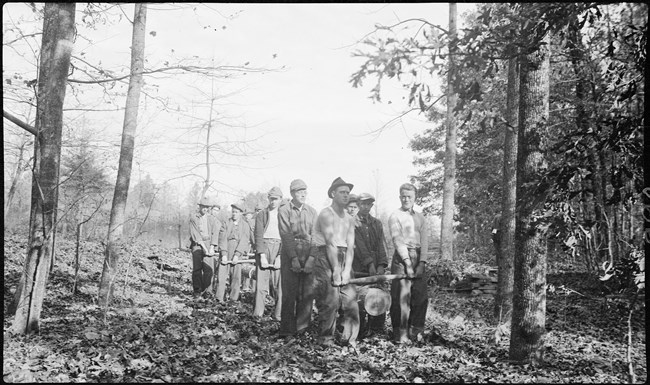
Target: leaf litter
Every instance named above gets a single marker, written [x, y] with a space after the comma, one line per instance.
[156, 332]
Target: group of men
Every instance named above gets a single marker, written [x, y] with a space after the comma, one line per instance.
[303, 257]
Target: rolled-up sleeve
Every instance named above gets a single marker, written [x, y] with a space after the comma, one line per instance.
[396, 234]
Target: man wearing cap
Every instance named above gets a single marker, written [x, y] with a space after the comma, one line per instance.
[409, 297]
[296, 221]
[333, 247]
[353, 206]
[234, 243]
[267, 240]
[203, 241]
[369, 258]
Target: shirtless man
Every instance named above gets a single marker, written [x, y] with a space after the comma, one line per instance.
[333, 249]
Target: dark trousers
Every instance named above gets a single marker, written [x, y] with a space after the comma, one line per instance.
[409, 298]
[330, 299]
[202, 270]
[268, 281]
[297, 294]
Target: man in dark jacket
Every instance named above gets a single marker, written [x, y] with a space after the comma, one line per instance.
[267, 241]
[369, 259]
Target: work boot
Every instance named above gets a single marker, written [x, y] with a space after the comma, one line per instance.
[400, 335]
[416, 333]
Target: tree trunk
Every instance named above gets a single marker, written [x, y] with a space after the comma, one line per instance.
[116, 223]
[529, 295]
[57, 44]
[449, 181]
[506, 246]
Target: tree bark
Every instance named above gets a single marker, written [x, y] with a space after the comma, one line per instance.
[506, 246]
[449, 180]
[120, 195]
[529, 295]
[56, 49]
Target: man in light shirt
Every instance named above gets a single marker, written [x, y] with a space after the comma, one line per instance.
[409, 297]
[267, 241]
[203, 241]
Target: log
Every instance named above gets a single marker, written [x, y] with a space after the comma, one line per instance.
[376, 279]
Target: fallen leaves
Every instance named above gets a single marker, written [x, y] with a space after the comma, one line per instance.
[156, 332]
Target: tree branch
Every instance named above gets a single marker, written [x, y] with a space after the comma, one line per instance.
[19, 123]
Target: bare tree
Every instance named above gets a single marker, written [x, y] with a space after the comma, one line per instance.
[57, 43]
[116, 223]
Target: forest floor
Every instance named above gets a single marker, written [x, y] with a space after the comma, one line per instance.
[156, 332]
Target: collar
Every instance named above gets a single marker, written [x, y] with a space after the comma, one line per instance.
[293, 206]
[410, 211]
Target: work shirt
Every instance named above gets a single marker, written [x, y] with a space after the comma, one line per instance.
[369, 243]
[266, 221]
[341, 228]
[237, 236]
[295, 223]
[201, 229]
[408, 230]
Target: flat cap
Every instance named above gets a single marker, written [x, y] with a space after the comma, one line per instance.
[205, 201]
[298, 184]
[366, 197]
[275, 192]
[353, 198]
[239, 206]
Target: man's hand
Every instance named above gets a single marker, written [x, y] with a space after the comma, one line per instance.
[371, 269]
[224, 258]
[381, 270]
[295, 265]
[264, 262]
[309, 264]
[409, 269]
[210, 251]
[276, 264]
[235, 258]
[419, 270]
[336, 277]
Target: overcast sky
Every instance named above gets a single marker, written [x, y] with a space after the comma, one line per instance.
[314, 125]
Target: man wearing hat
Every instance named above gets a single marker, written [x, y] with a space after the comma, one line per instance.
[353, 206]
[409, 234]
[203, 241]
[267, 241]
[369, 258]
[234, 243]
[333, 247]
[296, 221]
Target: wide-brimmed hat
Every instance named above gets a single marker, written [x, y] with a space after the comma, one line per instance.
[275, 192]
[366, 197]
[338, 182]
[297, 184]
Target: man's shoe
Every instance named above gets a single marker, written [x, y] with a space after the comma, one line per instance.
[400, 336]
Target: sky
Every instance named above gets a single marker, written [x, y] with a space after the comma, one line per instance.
[311, 123]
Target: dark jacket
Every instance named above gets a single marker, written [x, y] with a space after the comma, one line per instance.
[369, 244]
[235, 238]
